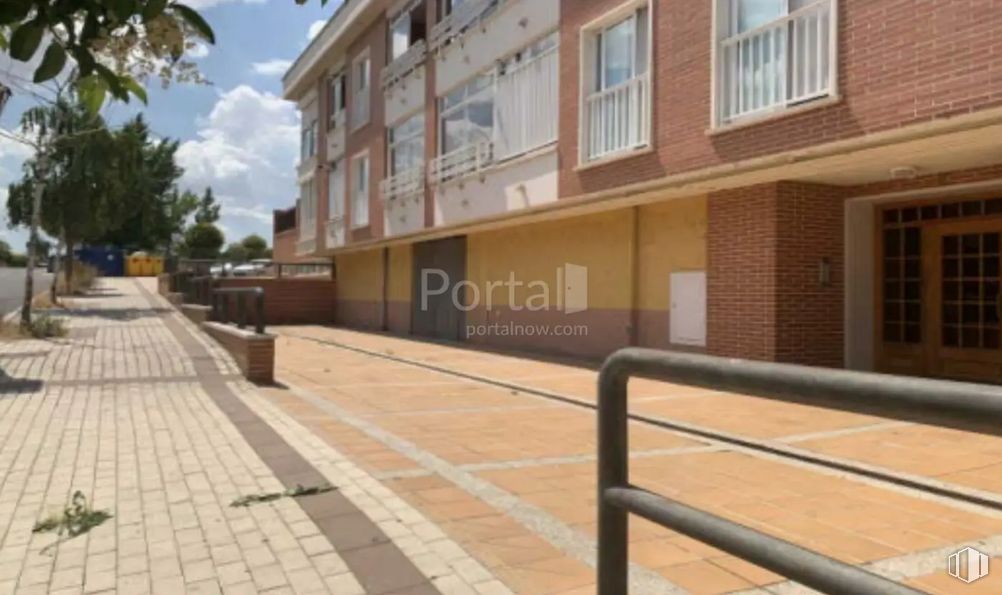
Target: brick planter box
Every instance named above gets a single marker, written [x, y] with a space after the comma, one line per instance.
[195, 313]
[254, 354]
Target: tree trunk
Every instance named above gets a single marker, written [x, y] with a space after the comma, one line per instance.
[69, 266]
[36, 218]
[53, 289]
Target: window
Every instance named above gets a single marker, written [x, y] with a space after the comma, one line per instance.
[501, 113]
[772, 54]
[467, 114]
[308, 210]
[337, 99]
[407, 28]
[447, 7]
[622, 51]
[616, 114]
[360, 191]
[406, 142]
[362, 72]
[309, 140]
[335, 191]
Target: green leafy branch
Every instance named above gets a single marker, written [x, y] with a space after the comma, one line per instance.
[76, 519]
[297, 492]
[111, 41]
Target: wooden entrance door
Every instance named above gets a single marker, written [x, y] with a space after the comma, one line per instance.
[962, 323]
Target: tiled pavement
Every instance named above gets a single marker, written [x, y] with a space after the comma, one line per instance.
[148, 419]
[445, 483]
[507, 471]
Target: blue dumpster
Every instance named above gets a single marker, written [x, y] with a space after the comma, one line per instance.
[108, 260]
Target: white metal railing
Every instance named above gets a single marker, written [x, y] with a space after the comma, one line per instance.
[398, 70]
[335, 232]
[787, 61]
[461, 163]
[526, 106]
[404, 185]
[460, 20]
[360, 109]
[618, 118]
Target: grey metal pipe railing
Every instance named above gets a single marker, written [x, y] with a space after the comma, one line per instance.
[221, 306]
[942, 403]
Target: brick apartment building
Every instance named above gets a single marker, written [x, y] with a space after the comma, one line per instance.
[811, 181]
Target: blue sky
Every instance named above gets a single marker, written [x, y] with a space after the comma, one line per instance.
[237, 134]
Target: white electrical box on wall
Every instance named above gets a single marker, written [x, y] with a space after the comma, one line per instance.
[687, 323]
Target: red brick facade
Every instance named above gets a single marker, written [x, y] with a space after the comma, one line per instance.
[291, 301]
[254, 354]
[899, 64]
[284, 246]
[372, 136]
[766, 248]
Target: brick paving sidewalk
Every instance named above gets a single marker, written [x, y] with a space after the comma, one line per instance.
[509, 473]
[147, 418]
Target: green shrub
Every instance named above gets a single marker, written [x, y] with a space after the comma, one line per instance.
[47, 327]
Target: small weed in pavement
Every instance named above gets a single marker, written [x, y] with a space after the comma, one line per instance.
[296, 492]
[77, 518]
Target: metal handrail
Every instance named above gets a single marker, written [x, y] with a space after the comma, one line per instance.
[221, 306]
[935, 402]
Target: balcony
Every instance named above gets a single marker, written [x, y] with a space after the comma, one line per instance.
[399, 69]
[405, 185]
[782, 63]
[335, 233]
[462, 18]
[471, 160]
[617, 119]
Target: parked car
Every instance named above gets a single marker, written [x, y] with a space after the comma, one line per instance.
[254, 268]
[221, 269]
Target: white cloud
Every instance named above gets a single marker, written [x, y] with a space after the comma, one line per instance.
[271, 67]
[315, 29]
[198, 51]
[246, 151]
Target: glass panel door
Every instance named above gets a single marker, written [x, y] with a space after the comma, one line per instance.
[970, 265]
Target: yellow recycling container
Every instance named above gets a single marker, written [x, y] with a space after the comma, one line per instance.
[141, 264]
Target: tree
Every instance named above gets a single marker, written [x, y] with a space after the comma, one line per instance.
[146, 211]
[68, 182]
[112, 43]
[235, 252]
[5, 253]
[208, 210]
[202, 241]
[255, 246]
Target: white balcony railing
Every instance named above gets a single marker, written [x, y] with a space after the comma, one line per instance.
[526, 104]
[360, 109]
[781, 63]
[398, 70]
[467, 161]
[618, 118]
[462, 18]
[335, 232]
[406, 184]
